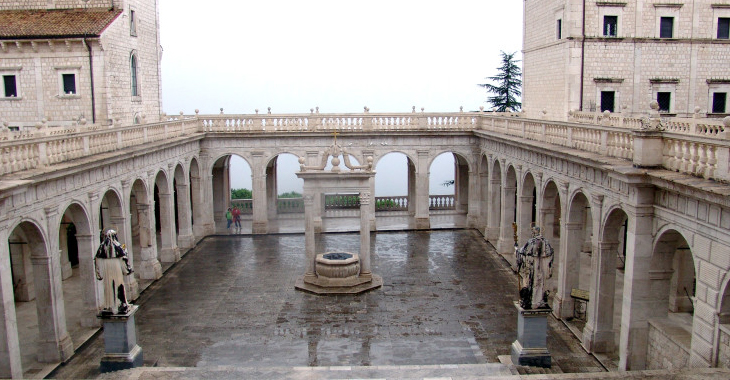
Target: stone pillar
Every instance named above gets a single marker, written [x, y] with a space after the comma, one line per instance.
[149, 268]
[197, 208]
[525, 217]
[185, 239]
[703, 344]
[170, 252]
[562, 303]
[220, 198]
[365, 270]
[598, 334]
[272, 195]
[411, 188]
[205, 206]
[506, 242]
[372, 225]
[22, 269]
[461, 186]
[473, 206]
[638, 299]
[648, 148]
[422, 200]
[66, 270]
[54, 344]
[260, 208]
[495, 209]
[124, 233]
[309, 242]
[88, 244]
[568, 268]
[10, 363]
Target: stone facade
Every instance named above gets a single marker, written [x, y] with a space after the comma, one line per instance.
[568, 70]
[40, 63]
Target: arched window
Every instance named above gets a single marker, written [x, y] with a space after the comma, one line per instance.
[135, 83]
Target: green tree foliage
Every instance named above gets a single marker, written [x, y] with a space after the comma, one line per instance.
[290, 194]
[508, 85]
[240, 194]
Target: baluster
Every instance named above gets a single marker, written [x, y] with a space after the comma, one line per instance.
[668, 156]
[701, 160]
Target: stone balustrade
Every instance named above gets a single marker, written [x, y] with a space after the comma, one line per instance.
[697, 146]
[441, 202]
[392, 203]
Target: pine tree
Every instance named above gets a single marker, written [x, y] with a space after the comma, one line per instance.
[508, 85]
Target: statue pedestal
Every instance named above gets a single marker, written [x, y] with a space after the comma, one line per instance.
[530, 348]
[120, 341]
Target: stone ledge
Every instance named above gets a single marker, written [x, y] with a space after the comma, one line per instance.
[375, 283]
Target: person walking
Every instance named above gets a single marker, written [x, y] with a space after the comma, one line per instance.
[229, 219]
[237, 218]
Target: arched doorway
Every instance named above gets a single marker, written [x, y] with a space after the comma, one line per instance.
[183, 214]
[232, 187]
[144, 237]
[395, 190]
[165, 226]
[196, 200]
[284, 194]
[448, 190]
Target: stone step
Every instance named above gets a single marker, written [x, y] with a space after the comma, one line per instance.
[491, 371]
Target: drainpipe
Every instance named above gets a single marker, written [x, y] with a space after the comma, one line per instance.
[91, 76]
[582, 54]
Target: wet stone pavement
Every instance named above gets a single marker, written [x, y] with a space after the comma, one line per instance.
[447, 298]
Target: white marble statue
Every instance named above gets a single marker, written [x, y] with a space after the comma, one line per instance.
[112, 264]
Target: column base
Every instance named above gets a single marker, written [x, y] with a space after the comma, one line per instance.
[66, 270]
[562, 308]
[170, 255]
[150, 269]
[597, 341]
[186, 241]
[116, 362]
[530, 356]
[132, 287]
[52, 352]
[259, 228]
[423, 223]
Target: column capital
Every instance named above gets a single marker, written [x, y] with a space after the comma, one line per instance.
[422, 152]
[364, 198]
[93, 196]
[126, 183]
[597, 199]
[51, 211]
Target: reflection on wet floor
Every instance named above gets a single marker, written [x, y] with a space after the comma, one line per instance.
[447, 299]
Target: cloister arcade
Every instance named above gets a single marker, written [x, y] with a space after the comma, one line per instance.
[615, 237]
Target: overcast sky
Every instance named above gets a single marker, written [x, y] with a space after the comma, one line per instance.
[337, 55]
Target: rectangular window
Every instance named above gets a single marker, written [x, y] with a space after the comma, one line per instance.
[69, 84]
[666, 27]
[11, 88]
[132, 22]
[719, 100]
[665, 100]
[607, 100]
[610, 26]
[723, 28]
[559, 30]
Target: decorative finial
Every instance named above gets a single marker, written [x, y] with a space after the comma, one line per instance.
[257, 111]
[335, 133]
[197, 111]
[317, 109]
[461, 108]
[311, 110]
[422, 109]
[481, 108]
[414, 109]
[221, 111]
[269, 110]
[182, 113]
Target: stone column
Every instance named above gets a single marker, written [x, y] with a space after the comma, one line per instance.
[88, 244]
[422, 201]
[170, 252]
[525, 217]
[309, 242]
[506, 242]
[260, 213]
[149, 268]
[562, 303]
[66, 270]
[54, 344]
[365, 270]
[372, 225]
[197, 208]
[598, 334]
[494, 216]
[568, 268]
[474, 206]
[185, 239]
[411, 188]
[204, 213]
[124, 233]
[10, 363]
[272, 195]
[638, 299]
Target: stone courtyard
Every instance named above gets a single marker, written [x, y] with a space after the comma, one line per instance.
[230, 302]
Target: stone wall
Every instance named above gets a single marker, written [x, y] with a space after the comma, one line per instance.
[723, 354]
[667, 350]
[119, 45]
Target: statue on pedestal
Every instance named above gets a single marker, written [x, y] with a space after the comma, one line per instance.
[111, 264]
[534, 265]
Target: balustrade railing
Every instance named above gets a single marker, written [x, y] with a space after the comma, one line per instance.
[696, 146]
[290, 205]
[245, 205]
[441, 202]
[393, 203]
[341, 201]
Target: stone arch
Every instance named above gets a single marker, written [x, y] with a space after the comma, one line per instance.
[460, 182]
[143, 235]
[34, 264]
[85, 238]
[494, 219]
[527, 210]
[274, 174]
[400, 168]
[182, 202]
[196, 198]
[379, 155]
[723, 313]
[574, 268]
[483, 186]
[603, 329]
[111, 214]
[505, 246]
[165, 219]
[220, 174]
